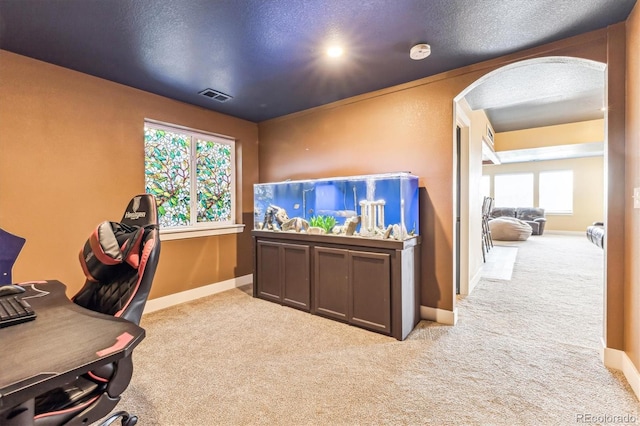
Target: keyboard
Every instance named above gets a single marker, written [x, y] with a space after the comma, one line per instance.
[14, 310]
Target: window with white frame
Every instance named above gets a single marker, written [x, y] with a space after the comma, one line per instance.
[513, 190]
[556, 191]
[192, 176]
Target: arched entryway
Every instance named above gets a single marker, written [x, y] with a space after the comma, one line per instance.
[537, 92]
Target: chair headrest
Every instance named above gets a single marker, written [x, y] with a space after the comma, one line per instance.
[141, 211]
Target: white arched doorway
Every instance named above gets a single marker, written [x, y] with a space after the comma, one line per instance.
[530, 93]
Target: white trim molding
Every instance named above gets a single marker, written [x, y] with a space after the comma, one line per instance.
[196, 293]
[439, 315]
[473, 282]
[180, 234]
[619, 360]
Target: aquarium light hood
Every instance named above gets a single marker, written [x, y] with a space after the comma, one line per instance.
[376, 176]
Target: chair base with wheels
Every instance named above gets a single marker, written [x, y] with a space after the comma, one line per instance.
[126, 418]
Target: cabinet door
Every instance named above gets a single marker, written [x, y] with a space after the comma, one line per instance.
[268, 271]
[331, 282]
[295, 276]
[370, 290]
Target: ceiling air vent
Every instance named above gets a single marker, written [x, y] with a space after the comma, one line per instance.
[215, 95]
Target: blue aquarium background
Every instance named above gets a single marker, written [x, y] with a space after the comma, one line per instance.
[340, 197]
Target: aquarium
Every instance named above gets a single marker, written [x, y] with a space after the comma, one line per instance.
[370, 206]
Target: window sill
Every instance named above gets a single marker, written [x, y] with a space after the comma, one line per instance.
[181, 234]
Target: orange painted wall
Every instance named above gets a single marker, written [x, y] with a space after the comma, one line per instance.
[407, 127]
[72, 155]
[616, 197]
[632, 222]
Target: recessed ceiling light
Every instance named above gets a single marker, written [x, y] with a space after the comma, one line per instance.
[420, 51]
[335, 51]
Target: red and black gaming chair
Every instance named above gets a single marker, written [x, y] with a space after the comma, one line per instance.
[122, 293]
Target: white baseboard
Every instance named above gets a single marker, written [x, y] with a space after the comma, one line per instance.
[439, 315]
[619, 360]
[196, 293]
[474, 281]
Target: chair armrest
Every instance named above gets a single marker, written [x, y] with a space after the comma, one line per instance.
[121, 378]
[540, 219]
[598, 224]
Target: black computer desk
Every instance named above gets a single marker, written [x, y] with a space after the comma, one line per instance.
[63, 342]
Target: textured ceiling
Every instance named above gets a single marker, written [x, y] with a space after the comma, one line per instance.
[268, 55]
[541, 93]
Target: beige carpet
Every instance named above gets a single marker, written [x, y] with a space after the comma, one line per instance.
[524, 352]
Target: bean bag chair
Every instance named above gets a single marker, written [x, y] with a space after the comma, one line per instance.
[509, 229]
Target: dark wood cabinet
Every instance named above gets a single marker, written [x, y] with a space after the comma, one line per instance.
[284, 273]
[353, 286]
[368, 283]
[268, 269]
[370, 290]
[331, 282]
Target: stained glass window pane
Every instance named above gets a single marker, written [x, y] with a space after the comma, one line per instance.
[167, 175]
[214, 177]
[192, 176]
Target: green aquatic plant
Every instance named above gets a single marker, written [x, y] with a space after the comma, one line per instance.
[325, 222]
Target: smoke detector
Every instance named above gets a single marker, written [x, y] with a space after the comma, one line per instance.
[420, 51]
